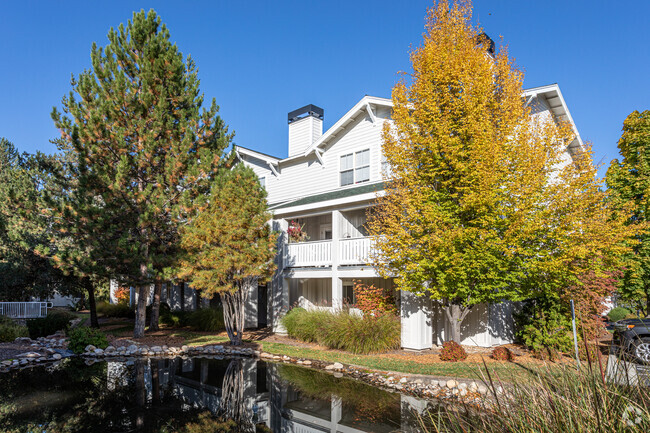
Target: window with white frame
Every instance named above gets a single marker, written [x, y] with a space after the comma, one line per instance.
[263, 181]
[355, 167]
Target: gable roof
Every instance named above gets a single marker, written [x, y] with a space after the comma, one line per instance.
[551, 93]
[559, 108]
[362, 105]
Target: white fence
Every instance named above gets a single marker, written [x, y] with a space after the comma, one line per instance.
[318, 253]
[24, 310]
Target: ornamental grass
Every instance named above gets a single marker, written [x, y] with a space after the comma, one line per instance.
[556, 400]
[341, 330]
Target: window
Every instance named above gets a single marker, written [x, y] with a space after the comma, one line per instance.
[348, 294]
[362, 166]
[347, 170]
[355, 167]
[263, 182]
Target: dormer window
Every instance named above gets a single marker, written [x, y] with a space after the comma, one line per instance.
[355, 167]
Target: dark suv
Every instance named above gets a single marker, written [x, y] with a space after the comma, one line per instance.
[633, 336]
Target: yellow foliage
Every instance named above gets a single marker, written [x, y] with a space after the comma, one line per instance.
[484, 201]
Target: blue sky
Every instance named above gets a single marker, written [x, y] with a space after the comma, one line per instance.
[262, 59]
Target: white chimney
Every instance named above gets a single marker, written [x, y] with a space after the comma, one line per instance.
[305, 127]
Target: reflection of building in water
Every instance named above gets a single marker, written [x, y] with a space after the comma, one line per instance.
[265, 398]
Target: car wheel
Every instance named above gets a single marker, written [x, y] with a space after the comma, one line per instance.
[642, 350]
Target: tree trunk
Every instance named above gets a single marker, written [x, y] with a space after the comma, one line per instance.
[141, 311]
[94, 323]
[155, 306]
[182, 288]
[233, 312]
[155, 382]
[140, 393]
[455, 315]
[232, 404]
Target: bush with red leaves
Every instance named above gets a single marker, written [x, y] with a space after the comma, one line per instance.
[502, 354]
[452, 351]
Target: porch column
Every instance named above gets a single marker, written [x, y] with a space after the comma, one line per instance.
[337, 284]
[281, 307]
[279, 302]
[417, 330]
[113, 288]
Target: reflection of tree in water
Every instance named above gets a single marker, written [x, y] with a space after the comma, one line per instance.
[232, 404]
[76, 398]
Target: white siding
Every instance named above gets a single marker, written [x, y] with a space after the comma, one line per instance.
[302, 133]
[352, 224]
[306, 176]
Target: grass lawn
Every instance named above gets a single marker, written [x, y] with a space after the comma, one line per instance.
[399, 362]
[506, 371]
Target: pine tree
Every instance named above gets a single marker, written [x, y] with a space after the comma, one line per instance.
[229, 245]
[482, 204]
[142, 151]
[629, 182]
[26, 273]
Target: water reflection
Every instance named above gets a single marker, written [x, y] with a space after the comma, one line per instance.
[199, 394]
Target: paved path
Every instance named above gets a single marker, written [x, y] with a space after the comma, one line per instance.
[624, 372]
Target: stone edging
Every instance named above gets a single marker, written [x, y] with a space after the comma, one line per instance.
[427, 387]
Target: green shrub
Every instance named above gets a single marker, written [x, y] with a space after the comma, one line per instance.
[10, 330]
[618, 313]
[175, 318]
[352, 333]
[56, 320]
[206, 319]
[83, 336]
[452, 351]
[115, 310]
[502, 354]
[544, 326]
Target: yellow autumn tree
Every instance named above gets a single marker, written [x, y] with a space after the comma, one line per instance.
[483, 200]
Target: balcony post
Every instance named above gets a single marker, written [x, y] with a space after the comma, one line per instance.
[337, 284]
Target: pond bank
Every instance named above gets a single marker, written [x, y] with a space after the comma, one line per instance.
[52, 350]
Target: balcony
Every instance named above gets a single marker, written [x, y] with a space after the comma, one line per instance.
[307, 254]
[355, 251]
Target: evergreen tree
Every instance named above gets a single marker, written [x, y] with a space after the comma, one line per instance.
[142, 154]
[229, 245]
[629, 182]
[482, 203]
[25, 272]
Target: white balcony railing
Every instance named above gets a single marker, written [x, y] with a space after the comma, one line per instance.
[355, 251]
[318, 253]
[24, 310]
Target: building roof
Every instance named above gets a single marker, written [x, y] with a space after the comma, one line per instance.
[551, 92]
[559, 108]
[331, 195]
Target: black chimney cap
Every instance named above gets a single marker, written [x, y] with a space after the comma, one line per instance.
[308, 110]
[484, 38]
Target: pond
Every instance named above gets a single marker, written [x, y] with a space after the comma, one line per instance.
[197, 395]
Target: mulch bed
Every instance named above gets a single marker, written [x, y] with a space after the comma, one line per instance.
[10, 350]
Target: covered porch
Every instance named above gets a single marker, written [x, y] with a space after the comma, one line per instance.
[312, 293]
